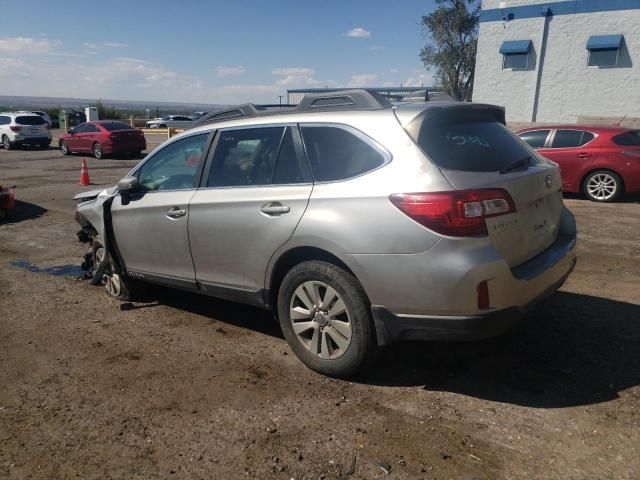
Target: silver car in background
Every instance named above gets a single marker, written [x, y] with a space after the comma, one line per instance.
[171, 121]
[358, 222]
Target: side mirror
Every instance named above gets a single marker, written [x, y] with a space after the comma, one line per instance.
[72, 130]
[128, 185]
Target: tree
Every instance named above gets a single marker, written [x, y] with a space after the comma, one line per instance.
[452, 37]
[106, 113]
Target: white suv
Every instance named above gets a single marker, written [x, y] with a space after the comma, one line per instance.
[23, 128]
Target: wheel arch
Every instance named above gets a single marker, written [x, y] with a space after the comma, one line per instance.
[288, 259]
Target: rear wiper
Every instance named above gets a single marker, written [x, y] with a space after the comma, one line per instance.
[522, 163]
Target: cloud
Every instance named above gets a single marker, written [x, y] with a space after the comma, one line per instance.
[293, 71]
[364, 80]
[375, 48]
[115, 45]
[422, 79]
[393, 70]
[26, 45]
[91, 46]
[229, 70]
[358, 32]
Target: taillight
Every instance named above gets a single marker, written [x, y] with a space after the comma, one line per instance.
[15, 129]
[459, 213]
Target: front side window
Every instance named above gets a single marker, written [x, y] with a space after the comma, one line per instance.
[175, 166]
[82, 128]
[567, 139]
[535, 138]
[90, 128]
[246, 157]
[337, 154]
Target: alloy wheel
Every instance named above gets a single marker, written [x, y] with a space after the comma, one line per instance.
[320, 319]
[602, 186]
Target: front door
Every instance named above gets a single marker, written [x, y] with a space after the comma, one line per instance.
[256, 191]
[151, 227]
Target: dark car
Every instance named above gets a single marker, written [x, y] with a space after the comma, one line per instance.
[105, 137]
[599, 161]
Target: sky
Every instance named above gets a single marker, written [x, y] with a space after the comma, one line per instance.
[207, 51]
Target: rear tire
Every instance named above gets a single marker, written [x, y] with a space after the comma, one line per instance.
[326, 318]
[6, 143]
[603, 186]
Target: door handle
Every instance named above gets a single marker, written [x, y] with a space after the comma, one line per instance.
[176, 212]
[274, 209]
[583, 155]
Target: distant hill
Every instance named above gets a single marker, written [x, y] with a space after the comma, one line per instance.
[35, 103]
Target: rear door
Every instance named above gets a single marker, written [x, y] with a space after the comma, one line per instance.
[253, 196]
[569, 149]
[475, 150]
[32, 126]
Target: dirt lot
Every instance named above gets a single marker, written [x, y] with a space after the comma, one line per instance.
[192, 387]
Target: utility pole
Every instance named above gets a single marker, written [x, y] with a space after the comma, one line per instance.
[280, 97]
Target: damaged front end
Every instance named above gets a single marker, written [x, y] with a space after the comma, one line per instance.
[93, 215]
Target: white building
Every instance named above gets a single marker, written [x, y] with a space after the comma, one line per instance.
[560, 61]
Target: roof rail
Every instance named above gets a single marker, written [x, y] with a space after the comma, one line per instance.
[344, 100]
[314, 102]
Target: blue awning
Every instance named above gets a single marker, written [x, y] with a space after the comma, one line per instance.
[515, 46]
[604, 42]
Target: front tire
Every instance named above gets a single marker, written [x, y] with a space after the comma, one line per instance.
[97, 151]
[104, 272]
[64, 148]
[603, 186]
[326, 318]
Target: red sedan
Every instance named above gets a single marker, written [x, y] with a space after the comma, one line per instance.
[101, 138]
[601, 162]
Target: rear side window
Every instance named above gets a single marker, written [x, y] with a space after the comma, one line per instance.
[115, 126]
[30, 120]
[536, 138]
[570, 138]
[337, 154]
[4, 120]
[629, 139]
[467, 140]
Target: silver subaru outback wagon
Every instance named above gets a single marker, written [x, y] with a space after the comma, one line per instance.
[358, 222]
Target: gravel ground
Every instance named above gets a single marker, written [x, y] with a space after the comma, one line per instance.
[193, 387]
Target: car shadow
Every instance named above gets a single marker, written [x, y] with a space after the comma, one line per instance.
[628, 198]
[572, 350]
[232, 313]
[23, 211]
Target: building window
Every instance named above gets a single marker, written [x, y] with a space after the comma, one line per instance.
[604, 50]
[515, 54]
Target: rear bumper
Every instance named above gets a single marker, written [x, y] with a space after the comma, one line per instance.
[391, 327]
[31, 140]
[112, 147]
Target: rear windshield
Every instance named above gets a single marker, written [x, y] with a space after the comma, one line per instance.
[113, 126]
[30, 120]
[467, 140]
[629, 139]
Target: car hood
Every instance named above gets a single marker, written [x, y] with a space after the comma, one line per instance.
[92, 194]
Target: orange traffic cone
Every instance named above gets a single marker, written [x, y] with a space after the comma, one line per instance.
[84, 173]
